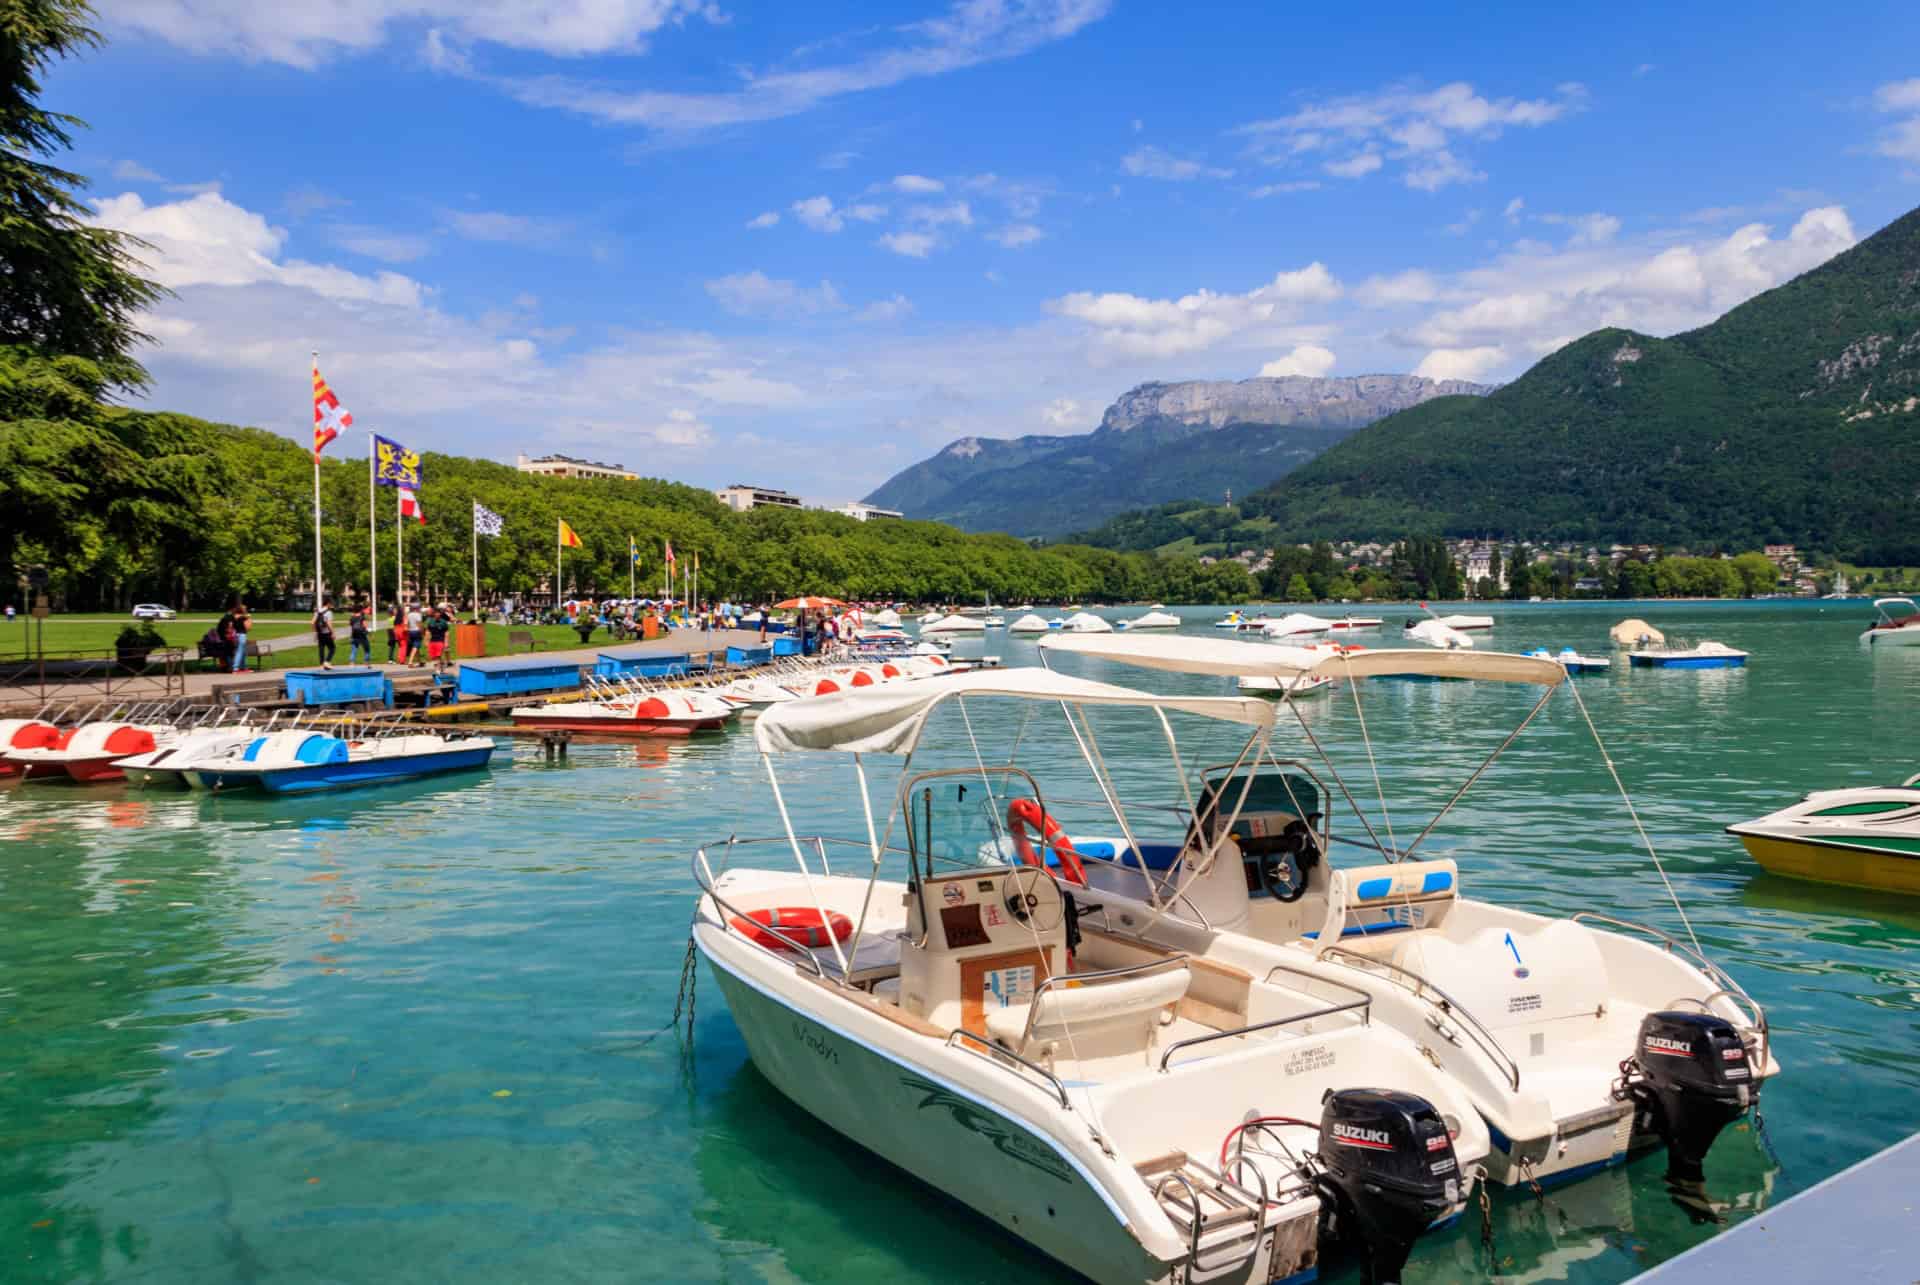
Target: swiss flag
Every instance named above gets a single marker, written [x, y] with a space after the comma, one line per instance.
[410, 507]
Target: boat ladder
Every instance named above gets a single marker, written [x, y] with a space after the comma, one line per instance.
[1212, 1212]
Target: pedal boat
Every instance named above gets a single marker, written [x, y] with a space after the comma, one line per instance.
[168, 764]
[89, 752]
[1134, 1112]
[23, 734]
[305, 762]
[1532, 1015]
[666, 713]
[1866, 837]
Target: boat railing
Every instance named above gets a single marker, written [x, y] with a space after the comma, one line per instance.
[1364, 1005]
[1078, 979]
[964, 1041]
[1730, 990]
[1425, 989]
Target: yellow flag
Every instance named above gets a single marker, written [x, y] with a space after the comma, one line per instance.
[568, 539]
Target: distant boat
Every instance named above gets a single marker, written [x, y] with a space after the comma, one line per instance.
[1572, 661]
[1350, 624]
[1232, 620]
[1868, 837]
[1708, 655]
[1296, 624]
[954, 624]
[1028, 624]
[305, 762]
[1895, 628]
[1153, 620]
[1086, 622]
[1435, 634]
[1298, 685]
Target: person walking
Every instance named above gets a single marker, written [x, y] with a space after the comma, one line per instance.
[242, 626]
[323, 632]
[359, 645]
[397, 635]
[764, 612]
[438, 623]
[416, 635]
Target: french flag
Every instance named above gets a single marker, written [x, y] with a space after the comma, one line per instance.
[410, 506]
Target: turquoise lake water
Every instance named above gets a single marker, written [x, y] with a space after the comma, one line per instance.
[410, 1033]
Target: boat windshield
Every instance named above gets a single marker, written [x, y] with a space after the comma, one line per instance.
[957, 818]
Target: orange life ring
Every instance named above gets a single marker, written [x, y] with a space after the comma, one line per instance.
[800, 923]
[1026, 814]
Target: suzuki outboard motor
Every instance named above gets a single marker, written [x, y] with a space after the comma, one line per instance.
[1693, 1081]
[1387, 1171]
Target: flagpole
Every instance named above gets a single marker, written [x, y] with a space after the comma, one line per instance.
[476, 564]
[316, 499]
[399, 558]
[633, 551]
[373, 546]
[557, 546]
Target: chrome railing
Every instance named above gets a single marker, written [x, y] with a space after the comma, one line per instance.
[1422, 988]
[962, 1040]
[1363, 1003]
[1730, 989]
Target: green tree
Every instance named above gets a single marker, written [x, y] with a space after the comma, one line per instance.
[70, 288]
[1757, 574]
[1298, 590]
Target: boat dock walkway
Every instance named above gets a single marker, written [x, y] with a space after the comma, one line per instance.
[1858, 1226]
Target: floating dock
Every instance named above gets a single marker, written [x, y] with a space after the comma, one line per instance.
[1858, 1226]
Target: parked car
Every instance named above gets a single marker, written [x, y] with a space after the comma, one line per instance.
[152, 611]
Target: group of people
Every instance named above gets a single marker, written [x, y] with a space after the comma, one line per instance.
[415, 636]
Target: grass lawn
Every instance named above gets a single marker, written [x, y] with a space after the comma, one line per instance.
[96, 633]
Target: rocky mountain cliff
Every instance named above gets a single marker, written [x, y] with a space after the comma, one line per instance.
[1158, 442]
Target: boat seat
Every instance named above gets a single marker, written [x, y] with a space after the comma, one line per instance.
[1408, 894]
[1155, 856]
[1550, 972]
[1115, 1016]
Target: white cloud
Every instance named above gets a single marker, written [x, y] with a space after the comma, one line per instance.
[1900, 140]
[1411, 286]
[866, 212]
[208, 240]
[1418, 130]
[755, 294]
[1588, 229]
[914, 245]
[1512, 212]
[898, 308]
[917, 184]
[838, 160]
[1154, 162]
[1354, 166]
[1016, 236]
[817, 212]
[509, 229]
[1306, 359]
[309, 199]
[388, 247]
[1128, 324]
[769, 219]
[134, 172]
[933, 216]
[682, 429]
[968, 34]
[1460, 363]
[1062, 412]
[1277, 189]
[310, 35]
[1138, 124]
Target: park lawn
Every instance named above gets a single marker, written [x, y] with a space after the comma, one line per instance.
[65, 634]
[547, 637]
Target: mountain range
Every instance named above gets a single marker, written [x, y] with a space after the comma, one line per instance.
[1158, 442]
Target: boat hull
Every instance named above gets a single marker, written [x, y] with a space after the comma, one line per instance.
[1907, 636]
[1690, 662]
[938, 1131]
[312, 778]
[103, 768]
[1837, 862]
[622, 727]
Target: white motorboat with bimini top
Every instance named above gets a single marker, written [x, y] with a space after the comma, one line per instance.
[1898, 624]
[1135, 1112]
[1534, 1016]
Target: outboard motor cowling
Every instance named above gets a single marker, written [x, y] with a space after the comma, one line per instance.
[1694, 1080]
[1387, 1171]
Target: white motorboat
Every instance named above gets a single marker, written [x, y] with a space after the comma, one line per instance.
[1435, 633]
[1635, 632]
[932, 616]
[1028, 624]
[1153, 620]
[1535, 1016]
[1572, 661]
[1085, 622]
[994, 620]
[1898, 625]
[1298, 685]
[1354, 624]
[1232, 620]
[954, 624]
[1297, 624]
[885, 618]
[1465, 623]
[1136, 1113]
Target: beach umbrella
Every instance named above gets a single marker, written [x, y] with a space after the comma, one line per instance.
[808, 604]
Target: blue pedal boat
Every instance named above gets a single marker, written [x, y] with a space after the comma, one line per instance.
[304, 762]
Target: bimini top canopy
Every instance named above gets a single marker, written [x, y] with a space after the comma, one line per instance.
[887, 719]
[1243, 659]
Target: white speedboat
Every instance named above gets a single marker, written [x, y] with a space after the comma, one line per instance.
[954, 624]
[1297, 624]
[1354, 624]
[1153, 620]
[1898, 625]
[1028, 624]
[1085, 622]
[1232, 620]
[1135, 1112]
[885, 618]
[1434, 633]
[1572, 661]
[1535, 1016]
[1465, 623]
[1298, 685]
[994, 620]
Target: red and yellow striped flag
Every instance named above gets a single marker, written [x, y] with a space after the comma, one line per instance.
[329, 416]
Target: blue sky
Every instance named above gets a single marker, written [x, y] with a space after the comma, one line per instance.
[806, 245]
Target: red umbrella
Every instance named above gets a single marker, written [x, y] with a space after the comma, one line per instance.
[808, 604]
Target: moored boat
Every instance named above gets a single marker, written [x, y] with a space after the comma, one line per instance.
[1028, 624]
[1153, 620]
[665, 713]
[1898, 625]
[1863, 837]
[1705, 655]
[23, 734]
[304, 762]
[89, 752]
[1572, 661]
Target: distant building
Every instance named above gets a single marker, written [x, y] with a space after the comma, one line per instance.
[567, 466]
[1782, 555]
[740, 497]
[861, 511]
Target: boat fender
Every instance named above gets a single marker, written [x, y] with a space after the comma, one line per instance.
[1024, 815]
[801, 924]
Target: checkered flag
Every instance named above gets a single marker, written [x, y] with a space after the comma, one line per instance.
[485, 520]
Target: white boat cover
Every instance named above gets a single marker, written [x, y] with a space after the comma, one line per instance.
[1437, 634]
[1297, 622]
[1155, 620]
[1231, 658]
[888, 720]
[1028, 624]
[954, 624]
[886, 618]
[1085, 622]
[1629, 633]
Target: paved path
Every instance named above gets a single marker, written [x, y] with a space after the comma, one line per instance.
[200, 682]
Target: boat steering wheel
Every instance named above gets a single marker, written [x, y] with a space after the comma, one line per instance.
[1283, 869]
[1032, 896]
